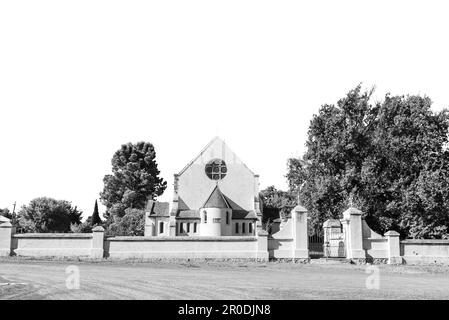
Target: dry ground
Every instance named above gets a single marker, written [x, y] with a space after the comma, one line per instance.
[33, 279]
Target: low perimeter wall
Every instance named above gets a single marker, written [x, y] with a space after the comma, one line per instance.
[94, 245]
[52, 244]
[425, 251]
[363, 243]
[231, 247]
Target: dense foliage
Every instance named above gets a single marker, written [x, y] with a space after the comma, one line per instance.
[389, 159]
[47, 215]
[134, 180]
[6, 213]
[131, 224]
[276, 203]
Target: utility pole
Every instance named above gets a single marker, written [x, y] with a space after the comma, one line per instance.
[14, 208]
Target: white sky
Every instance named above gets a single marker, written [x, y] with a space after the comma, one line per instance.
[79, 78]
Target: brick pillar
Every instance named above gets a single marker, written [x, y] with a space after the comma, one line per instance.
[262, 245]
[300, 236]
[352, 226]
[5, 238]
[97, 250]
[394, 254]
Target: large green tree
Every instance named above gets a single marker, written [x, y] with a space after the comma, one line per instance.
[134, 179]
[276, 203]
[387, 158]
[48, 215]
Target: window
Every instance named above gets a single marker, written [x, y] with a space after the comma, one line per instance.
[194, 227]
[236, 227]
[250, 227]
[161, 227]
[188, 227]
[180, 228]
[205, 216]
[227, 217]
[243, 227]
[216, 169]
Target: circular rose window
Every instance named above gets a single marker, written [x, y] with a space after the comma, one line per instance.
[216, 169]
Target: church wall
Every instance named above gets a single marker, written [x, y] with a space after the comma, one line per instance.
[243, 228]
[194, 186]
[216, 222]
[188, 227]
[153, 226]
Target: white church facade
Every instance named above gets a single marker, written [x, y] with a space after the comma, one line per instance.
[215, 194]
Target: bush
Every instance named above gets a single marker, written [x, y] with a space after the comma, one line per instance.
[48, 215]
[131, 224]
[84, 227]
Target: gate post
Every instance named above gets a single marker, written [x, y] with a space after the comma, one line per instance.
[352, 226]
[262, 245]
[5, 238]
[300, 236]
[97, 250]
[394, 254]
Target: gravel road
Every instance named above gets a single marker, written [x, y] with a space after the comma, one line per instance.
[29, 279]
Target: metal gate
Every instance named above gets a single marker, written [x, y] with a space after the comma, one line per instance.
[334, 239]
[316, 242]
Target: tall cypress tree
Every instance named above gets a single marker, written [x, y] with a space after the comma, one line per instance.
[95, 216]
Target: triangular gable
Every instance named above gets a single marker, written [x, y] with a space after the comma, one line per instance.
[204, 150]
[216, 200]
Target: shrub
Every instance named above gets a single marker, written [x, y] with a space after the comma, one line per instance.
[131, 224]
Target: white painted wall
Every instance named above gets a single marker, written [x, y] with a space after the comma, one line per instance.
[183, 247]
[194, 186]
[52, 244]
[418, 251]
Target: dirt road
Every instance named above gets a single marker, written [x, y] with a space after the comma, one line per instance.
[21, 279]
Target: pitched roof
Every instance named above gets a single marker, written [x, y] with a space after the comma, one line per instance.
[204, 149]
[243, 214]
[188, 214]
[216, 200]
[157, 208]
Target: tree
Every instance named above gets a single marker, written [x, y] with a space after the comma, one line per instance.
[6, 213]
[380, 158]
[48, 215]
[95, 216]
[134, 180]
[85, 227]
[276, 203]
[131, 224]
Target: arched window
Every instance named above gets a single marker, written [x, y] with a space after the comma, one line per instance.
[250, 226]
[236, 227]
[188, 227]
[205, 216]
[243, 227]
[227, 217]
[161, 227]
[194, 227]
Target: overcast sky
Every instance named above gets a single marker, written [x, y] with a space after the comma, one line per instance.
[79, 78]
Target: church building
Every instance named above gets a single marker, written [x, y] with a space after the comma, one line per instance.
[216, 194]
